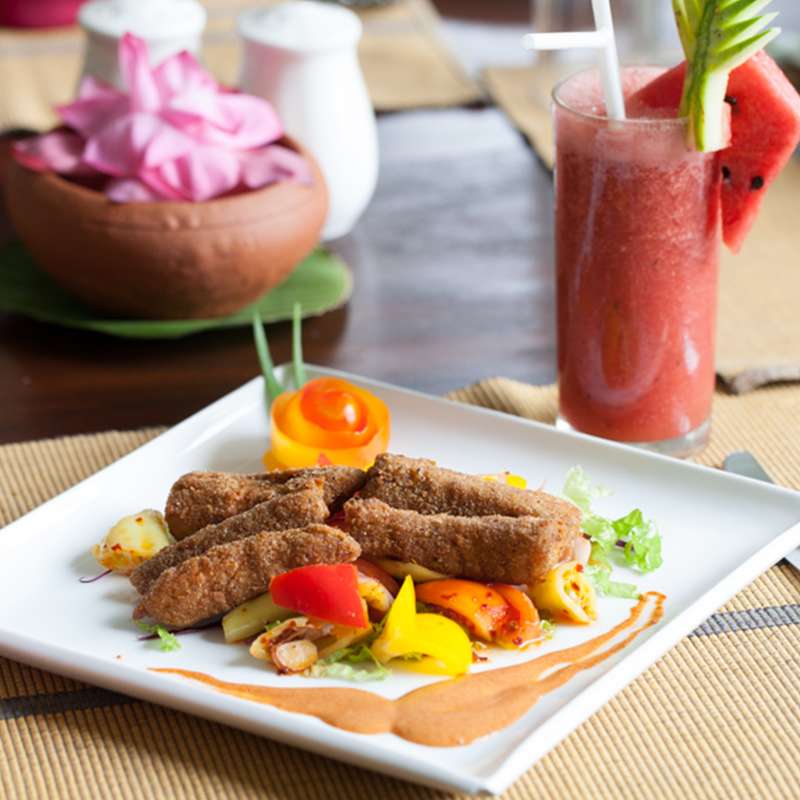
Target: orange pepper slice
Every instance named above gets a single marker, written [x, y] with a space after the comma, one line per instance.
[328, 421]
[495, 612]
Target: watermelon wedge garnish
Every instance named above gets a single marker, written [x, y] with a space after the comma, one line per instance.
[764, 112]
[765, 130]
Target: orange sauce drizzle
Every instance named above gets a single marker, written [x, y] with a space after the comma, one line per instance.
[451, 712]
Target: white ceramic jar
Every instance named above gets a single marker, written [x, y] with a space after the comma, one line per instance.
[302, 57]
[168, 26]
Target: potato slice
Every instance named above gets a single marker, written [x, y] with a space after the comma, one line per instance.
[132, 541]
[399, 569]
[250, 617]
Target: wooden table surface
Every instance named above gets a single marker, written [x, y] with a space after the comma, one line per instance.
[452, 275]
[453, 282]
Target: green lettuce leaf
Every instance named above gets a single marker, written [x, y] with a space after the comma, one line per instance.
[600, 576]
[579, 489]
[168, 641]
[548, 628]
[631, 540]
[642, 541]
[354, 663]
[274, 624]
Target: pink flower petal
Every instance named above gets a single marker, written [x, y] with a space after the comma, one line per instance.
[153, 179]
[137, 75]
[131, 190]
[182, 73]
[119, 148]
[203, 173]
[255, 123]
[274, 163]
[166, 144]
[190, 111]
[174, 135]
[58, 151]
[97, 104]
[92, 88]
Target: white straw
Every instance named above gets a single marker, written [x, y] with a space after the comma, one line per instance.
[601, 39]
[609, 62]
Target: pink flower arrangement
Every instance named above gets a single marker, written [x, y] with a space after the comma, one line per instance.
[175, 134]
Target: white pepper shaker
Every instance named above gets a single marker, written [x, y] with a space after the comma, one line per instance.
[168, 26]
[302, 57]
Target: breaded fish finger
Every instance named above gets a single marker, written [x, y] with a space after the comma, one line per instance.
[198, 499]
[419, 485]
[293, 510]
[229, 574]
[488, 548]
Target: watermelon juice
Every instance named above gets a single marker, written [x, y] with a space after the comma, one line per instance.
[637, 240]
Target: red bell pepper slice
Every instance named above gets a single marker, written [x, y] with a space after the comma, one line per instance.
[326, 591]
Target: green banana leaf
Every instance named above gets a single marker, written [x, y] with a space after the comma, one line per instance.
[320, 283]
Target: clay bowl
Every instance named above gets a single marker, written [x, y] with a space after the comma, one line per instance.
[166, 260]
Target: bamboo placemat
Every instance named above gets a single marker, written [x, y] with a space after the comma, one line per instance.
[405, 62]
[759, 323]
[715, 718]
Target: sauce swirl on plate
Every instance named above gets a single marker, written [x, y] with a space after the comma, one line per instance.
[450, 712]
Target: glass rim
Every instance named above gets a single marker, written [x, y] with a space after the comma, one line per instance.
[663, 122]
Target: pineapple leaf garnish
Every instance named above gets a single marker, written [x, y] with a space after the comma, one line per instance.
[717, 36]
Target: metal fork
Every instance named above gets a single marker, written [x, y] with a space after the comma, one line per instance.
[745, 463]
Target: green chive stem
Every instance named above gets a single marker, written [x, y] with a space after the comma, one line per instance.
[272, 388]
[298, 368]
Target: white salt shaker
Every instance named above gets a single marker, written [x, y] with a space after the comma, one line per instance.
[168, 26]
[302, 57]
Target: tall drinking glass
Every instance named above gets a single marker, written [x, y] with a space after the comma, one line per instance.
[637, 229]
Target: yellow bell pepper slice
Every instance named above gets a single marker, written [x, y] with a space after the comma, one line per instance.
[517, 481]
[566, 593]
[444, 646]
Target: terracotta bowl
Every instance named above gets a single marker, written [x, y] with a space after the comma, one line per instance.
[166, 260]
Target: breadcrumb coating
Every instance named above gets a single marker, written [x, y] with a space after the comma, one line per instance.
[211, 584]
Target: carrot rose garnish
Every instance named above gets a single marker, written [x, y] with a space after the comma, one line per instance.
[324, 421]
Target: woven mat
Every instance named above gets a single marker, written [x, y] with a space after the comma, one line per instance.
[759, 323]
[715, 718]
[405, 62]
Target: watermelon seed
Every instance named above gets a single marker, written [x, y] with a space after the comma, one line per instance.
[730, 99]
[726, 173]
[756, 183]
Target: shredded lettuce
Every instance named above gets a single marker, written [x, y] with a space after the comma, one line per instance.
[642, 547]
[579, 489]
[548, 628]
[168, 641]
[600, 575]
[274, 624]
[631, 540]
[355, 663]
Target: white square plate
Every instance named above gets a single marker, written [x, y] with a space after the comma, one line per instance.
[720, 531]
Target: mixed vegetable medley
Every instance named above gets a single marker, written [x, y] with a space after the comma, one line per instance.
[357, 621]
[433, 567]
